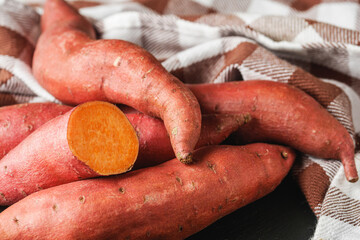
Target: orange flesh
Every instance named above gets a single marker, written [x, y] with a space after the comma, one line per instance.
[100, 135]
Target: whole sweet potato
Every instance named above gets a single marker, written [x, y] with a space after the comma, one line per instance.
[283, 114]
[19, 120]
[168, 201]
[90, 140]
[75, 68]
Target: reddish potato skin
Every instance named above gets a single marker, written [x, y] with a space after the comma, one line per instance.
[168, 201]
[18, 121]
[155, 146]
[40, 161]
[20, 176]
[283, 114]
[75, 68]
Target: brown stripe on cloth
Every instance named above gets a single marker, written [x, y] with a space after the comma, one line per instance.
[207, 70]
[320, 71]
[10, 98]
[336, 58]
[240, 53]
[186, 7]
[303, 5]
[331, 33]
[13, 90]
[191, 18]
[314, 183]
[15, 85]
[15, 45]
[7, 99]
[265, 63]
[323, 92]
[204, 71]
[324, 72]
[340, 108]
[234, 59]
[156, 5]
[330, 54]
[4, 76]
[339, 206]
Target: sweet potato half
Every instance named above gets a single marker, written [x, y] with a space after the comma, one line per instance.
[75, 67]
[90, 140]
[154, 146]
[168, 201]
[282, 114]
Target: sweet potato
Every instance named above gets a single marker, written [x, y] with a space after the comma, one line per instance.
[90, 140]
[168, 201]
[75, 68]
[19, 120]
[155, 146]
[282, 114]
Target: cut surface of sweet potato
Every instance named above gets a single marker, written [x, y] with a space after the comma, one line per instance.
[101, 136]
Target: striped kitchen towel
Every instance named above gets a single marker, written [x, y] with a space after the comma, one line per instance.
[313, 45]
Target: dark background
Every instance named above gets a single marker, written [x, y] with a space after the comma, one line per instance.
[284, 214]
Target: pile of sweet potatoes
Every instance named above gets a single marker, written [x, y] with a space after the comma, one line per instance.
[55, 160]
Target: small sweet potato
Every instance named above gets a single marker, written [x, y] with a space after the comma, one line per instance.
[168, 201]
[281, 114]
[90, 140]
[19, 120]
[75, 68]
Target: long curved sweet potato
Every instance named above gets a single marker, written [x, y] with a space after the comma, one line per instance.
[281, 113]
[92, 139]
[168, 201]
[19, 120]
[75, 68]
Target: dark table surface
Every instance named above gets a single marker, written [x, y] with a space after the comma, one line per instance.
[283, 214]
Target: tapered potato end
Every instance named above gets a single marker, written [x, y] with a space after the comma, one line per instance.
[100, 135]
